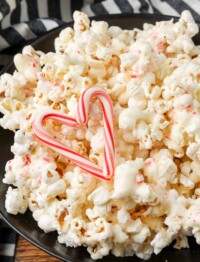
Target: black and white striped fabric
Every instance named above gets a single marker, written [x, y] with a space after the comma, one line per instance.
[8, 239]
[24, 20]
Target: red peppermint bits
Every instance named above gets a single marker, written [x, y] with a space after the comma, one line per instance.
[26, 160]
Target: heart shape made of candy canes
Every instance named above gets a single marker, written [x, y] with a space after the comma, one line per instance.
[82, 117]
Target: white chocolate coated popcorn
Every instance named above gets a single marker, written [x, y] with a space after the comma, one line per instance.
[153, 78]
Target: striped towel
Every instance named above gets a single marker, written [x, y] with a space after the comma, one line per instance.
[25, 20]
[8, 239]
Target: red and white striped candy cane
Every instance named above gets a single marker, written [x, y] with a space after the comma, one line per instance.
[108, 115]
[84, 163]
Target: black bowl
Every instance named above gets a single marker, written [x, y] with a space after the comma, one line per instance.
[25, 225]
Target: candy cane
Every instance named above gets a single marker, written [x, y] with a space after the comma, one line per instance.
[107, 107]
[84, 163]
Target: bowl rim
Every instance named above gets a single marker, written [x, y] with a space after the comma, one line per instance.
[107, 17]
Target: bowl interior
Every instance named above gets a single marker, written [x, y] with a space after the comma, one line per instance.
[25, 224]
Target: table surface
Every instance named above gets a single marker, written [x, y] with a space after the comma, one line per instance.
[26, 252]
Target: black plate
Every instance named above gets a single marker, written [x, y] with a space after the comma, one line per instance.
[26, 226]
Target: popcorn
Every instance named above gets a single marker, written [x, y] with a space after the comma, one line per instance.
[193, 151]
[100, 251]
[56, 188]
[191, 217]
[134, 226]
[16, 200]
[186, 18]
[13, 85]
[123, 216]
[118, 235]
[22, 144]
[45, 223]
[99, 196]
[129, 117]
[143, 194]
[49, 174]
[161, 240]
[181, 242]
[124, 180]
[142, 235]
[152, 77]
[162, 167]
[81, 22]
[27, 65]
